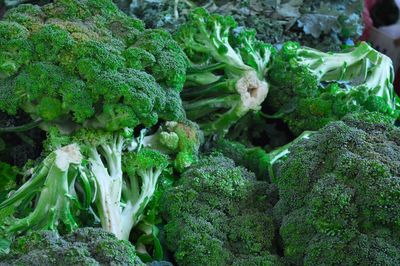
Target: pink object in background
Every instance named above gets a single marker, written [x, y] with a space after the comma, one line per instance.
[368, 5]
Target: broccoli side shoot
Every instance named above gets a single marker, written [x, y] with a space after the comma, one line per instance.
[52, 184]
[339, 195]
[310, 88]
[219, 214]
[180, 140]
[226, 76]
[256, 159]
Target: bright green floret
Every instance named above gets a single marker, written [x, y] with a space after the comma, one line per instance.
[339, 195]
[226, 77]
[218, 214]
[310, 88]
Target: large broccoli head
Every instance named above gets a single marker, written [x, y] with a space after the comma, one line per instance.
[340, 195]
[86, 246]
[219, 214]
[87, 62]
[310, 88]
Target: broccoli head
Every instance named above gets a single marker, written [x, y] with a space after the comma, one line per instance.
[339, 195]
[226, 76]
[310, 88]
[218, 214]
[86, 246]
[88, 63]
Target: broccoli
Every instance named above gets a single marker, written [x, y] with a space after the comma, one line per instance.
[57, 66]
[8, 180]
[92, 77]
[218, 214]
[339, 195]
[225, 80]
[52, 185]
[85, 246]
[256, 159]
[310, 88]
[183, 138]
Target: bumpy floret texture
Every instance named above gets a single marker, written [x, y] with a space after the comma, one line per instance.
[86, 246]
[86, 60]
[219, 215]
[339, 195]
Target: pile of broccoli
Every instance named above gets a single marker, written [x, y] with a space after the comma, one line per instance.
[121, 145]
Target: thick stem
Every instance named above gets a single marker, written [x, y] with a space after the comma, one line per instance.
[108, 204]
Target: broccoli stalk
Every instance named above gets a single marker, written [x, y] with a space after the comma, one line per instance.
[109, 181]
[226, 78]
[54, 179]
[362, 67]
[121, 198]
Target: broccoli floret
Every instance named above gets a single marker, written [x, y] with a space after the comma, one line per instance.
[226, 77]
[86, 246]
[90, 64]
[218, 214]
[339, 195]
[310, 88]
[182, 139]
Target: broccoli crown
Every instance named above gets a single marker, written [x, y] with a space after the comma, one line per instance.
[226, 77]
[218, 214]
[339, 195]
[87, 62]
[310, 88]
[85, 246]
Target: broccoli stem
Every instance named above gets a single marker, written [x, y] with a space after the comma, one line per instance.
[22, 128]
[332, 67]
[218, 88]
[109, 183]
[284, 150]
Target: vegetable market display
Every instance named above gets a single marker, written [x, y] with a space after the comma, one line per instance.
[127, 145]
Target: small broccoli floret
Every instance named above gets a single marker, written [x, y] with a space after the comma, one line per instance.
[310, 88]
[52, 184]
[143, 170]
[226, 77]
[339, 195]
[86, 246]
[219, 214]
[180, 139]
